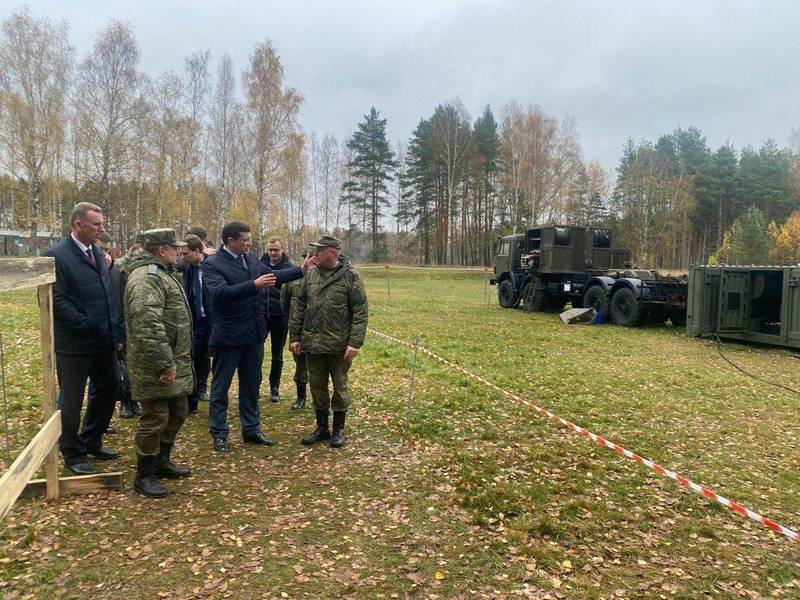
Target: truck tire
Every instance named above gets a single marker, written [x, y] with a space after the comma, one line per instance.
[625, 308]
[678, 318]
[535, 298]
[596, 298]
[506, 294]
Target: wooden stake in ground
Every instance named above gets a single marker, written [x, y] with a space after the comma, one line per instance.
[388, 290]
[413, 372]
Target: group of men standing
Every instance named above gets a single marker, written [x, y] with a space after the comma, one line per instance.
[222, 306]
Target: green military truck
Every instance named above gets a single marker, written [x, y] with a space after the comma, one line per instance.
[549, 266]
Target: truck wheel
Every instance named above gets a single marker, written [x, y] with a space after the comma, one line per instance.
[535, 298]
[507, 295]
[596, 298]
[625, 308]
[678, 318]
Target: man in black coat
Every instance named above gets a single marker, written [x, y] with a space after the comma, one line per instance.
[234, 281]
[193, 256]
[84, 314]
[277, 322]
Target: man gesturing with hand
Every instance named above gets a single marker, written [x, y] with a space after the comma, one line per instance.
[328, 322]
[235, 281]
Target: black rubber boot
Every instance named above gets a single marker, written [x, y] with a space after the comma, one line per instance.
[146, 483]
[165, 468]
[137, 410]
[337, 437]
[321, 433]
[301, 398]
[126, 410]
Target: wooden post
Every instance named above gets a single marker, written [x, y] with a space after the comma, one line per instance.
[48, 382]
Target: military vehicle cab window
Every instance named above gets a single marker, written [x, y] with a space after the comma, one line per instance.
[504, 248]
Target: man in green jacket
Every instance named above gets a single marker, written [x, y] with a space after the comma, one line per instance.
[329, 322]
[158, 324]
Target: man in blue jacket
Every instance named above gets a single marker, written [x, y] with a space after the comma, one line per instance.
[235, 282]
[193, 255]
[84, 313]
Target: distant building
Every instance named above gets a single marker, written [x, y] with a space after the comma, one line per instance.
[14, 242]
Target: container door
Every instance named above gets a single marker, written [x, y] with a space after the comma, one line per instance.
[734, 301]
[793, 307]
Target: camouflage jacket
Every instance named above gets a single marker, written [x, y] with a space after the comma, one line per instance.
[158, 324]
[329, 310]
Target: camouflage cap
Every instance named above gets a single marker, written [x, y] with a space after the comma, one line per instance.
[161, 237]
[327, 241]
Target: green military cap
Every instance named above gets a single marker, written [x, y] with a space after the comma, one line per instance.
[327, 241]
[161, 237]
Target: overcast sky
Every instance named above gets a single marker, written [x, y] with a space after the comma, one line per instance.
[620, 68]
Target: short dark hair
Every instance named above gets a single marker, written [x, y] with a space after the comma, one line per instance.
[233, 230]
[198, 231]
[193, 242]
[81, 209]
[104, 237]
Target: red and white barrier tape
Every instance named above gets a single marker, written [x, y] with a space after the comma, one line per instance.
[424, 268]
[737, 508]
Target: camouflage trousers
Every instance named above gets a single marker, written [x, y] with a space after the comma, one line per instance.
[300, 369]
[322, 367]
[160, 422]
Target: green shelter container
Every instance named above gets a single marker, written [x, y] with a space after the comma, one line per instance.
[753, 303]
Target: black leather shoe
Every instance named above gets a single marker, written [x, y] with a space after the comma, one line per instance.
[126, 410]
[82, 468]
[110, 430]
[202, 397]
[103, 454]
[221, 445]
[258, 438]
[274, 393]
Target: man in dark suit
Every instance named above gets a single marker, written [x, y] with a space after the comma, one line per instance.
[193, 256]
[84, 314]
[277, 322]
[235, 281]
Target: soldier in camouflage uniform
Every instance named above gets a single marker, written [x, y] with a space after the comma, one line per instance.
[158, 323]
[329, 322]
[288, 291]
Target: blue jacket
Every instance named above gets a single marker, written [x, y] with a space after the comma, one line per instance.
[236, 304]
[85, 316]
[273, 304]
[200, 325]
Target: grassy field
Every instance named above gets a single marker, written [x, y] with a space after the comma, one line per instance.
[456, 492]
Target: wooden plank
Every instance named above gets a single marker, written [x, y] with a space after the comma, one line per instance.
[79, 484]
[28, 462]
[18, 273]
[48, 381]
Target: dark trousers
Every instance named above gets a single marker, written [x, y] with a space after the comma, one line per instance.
[202, 365]
[246, 360]
[277, 330]
[73, 371]
[160, 422]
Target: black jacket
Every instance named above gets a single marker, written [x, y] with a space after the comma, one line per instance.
[84, 308]
[236, 304]
[200, 324]
[272, 306]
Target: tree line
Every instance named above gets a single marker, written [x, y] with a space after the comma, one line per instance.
[208, 144]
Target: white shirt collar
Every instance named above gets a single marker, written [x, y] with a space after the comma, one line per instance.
[81, 245]
[234, 255]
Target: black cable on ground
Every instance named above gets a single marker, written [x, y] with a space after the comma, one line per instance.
[718, 343]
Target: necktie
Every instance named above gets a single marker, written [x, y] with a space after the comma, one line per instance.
[198, 296]
[90, 256]
[242, 262]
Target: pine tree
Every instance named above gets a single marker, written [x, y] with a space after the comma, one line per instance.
[371, 168]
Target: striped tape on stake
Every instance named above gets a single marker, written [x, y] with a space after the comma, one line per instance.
[737, 508]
